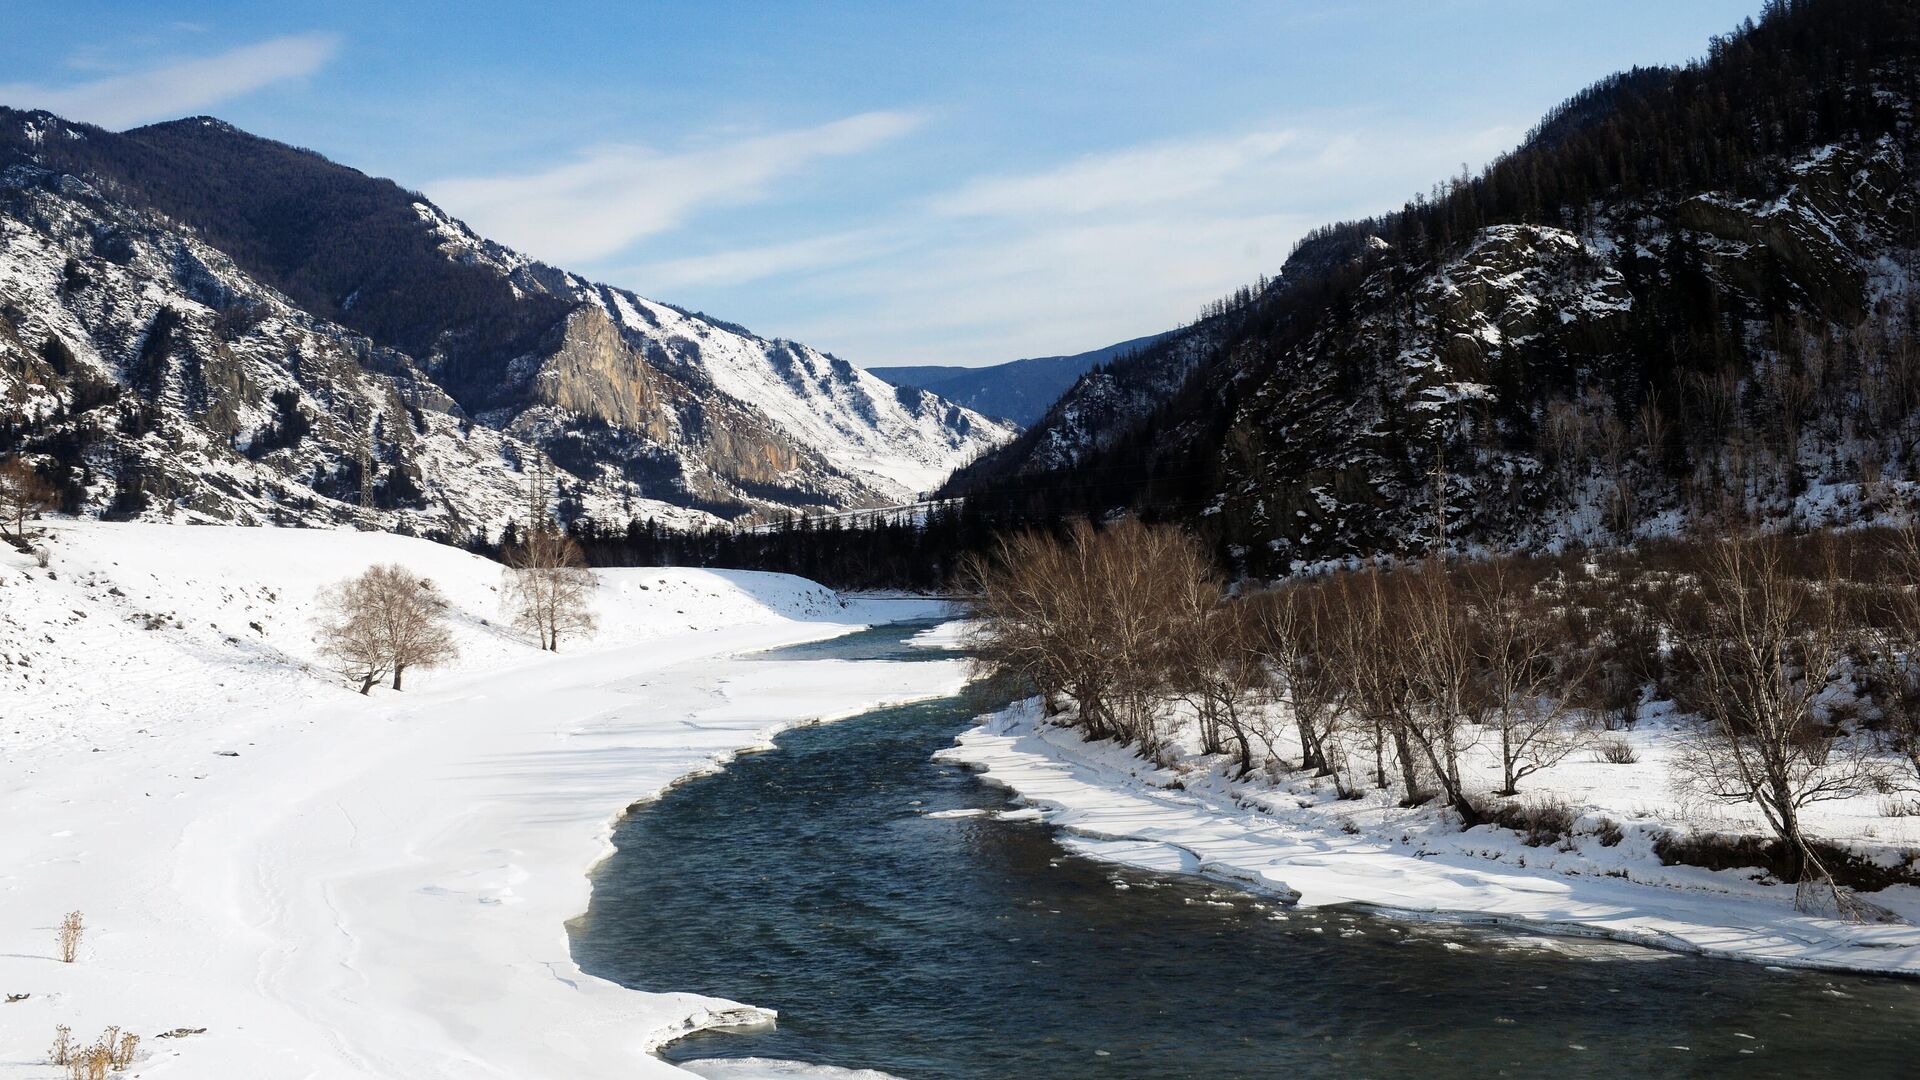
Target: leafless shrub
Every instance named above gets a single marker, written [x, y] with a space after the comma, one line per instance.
[91, 1063]
[1541, 821]
[72, 929]
[1609, 833]
[549, 589]
[62, 1049]
[1894, 806]
[1615, 752]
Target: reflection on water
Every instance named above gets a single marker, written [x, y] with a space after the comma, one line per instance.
[829, 880]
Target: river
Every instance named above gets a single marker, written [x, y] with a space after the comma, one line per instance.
[871, 897]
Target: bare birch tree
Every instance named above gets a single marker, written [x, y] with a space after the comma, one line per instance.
[1438, 648]
[1527, 677]
[1894, 651]
[549, 588]
[1765, 646]
[1295, 636]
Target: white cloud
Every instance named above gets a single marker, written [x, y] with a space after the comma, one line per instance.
[741, 265]
[614, 195]
[1134, 176]
[1074, 256]
[180, 88]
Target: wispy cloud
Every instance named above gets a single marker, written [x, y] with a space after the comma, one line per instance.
[741, 265]
[1133, 176]
[1075, 255]
[613, 195]
[179, 88]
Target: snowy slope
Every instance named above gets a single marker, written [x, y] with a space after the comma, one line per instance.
[901, 441]
[335, 886]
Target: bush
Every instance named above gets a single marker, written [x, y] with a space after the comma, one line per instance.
[1609, 832]
[1615, 752]
[1724, 851]
[1540, 821]
[1895, 806]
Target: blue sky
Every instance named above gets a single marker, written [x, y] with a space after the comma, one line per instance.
[895, 182]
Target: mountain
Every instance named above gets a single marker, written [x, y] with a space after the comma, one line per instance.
[1018, 390]
[196, 321]
[1689, 296]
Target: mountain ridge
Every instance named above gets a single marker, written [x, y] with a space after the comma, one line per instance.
[293, 319]
[1017, 390]
[1688, 296]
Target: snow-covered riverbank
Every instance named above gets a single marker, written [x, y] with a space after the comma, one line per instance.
[334, 886]
[1110, 804]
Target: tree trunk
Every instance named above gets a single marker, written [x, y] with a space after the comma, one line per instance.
[1379, 756]
[1311, 756]
[1409, 768]
[398, 670]
[1511, 781]
[366, 684]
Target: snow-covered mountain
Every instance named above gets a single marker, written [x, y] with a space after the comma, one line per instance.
[1689, 296]
[198, 322]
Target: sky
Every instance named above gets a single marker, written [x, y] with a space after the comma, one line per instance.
[898, 183]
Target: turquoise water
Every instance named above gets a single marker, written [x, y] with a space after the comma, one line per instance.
[811, 879]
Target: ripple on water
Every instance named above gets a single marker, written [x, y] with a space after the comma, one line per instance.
[899, 923]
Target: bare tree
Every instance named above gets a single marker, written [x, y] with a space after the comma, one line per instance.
[549, 587]
[351, 636]
[1527, 677]
[1037, 620]
[1099, 618]
[1894, 648]
[1369, 651]
[1295, 636]
[1436, 642]
[1215, 670]
[388, 619]
[414, 613]
[23, 494]
[1764, 646]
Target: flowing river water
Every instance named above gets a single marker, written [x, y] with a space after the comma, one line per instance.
[871, 897]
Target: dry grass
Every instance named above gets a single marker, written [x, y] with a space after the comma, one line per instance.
[111, 1052]
[72, 929]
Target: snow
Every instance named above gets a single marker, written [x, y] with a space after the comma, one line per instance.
[951, 635]
[338, 886]
[1289, 839]
[752, 1068]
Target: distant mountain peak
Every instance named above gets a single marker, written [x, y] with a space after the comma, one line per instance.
[1018, 390]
